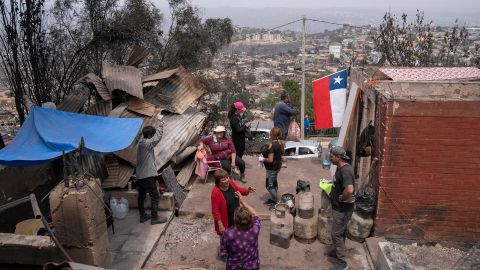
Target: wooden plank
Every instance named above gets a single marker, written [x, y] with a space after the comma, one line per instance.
[348, 116]
[186, 173]
[168, 176]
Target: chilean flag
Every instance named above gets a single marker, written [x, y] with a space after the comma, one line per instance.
[329, 99]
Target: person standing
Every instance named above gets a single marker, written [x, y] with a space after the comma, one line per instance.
[282, 114]
[342, 198]
[240, 242]
[273, 164]
[224, 201]
[239, 127]
[146, 172]
[306, 124]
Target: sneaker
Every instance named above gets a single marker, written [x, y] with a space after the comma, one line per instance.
[269, 202]
[242, 178]
[236, 171]
[331, 253]
[158, 220]
[145, 217]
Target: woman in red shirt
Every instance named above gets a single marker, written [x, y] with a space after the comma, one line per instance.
[224, 201]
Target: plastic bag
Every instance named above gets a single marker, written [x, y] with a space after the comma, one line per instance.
[294, 132]
[366, 200]
[119, 207]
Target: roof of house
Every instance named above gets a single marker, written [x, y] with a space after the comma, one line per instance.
[432, 73]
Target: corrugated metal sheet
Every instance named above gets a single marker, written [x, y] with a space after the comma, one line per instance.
[95, 165]
[118, 172]
[98, 84]
[179, 131]
[176, 92]
[186, 173]
[125, 78]
[117, 111]
[101, 108]
[141, 106]
[75, 100]
[137, 55]
[129, 154]
[160, 76]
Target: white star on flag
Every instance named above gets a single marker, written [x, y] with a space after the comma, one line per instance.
[338, 79]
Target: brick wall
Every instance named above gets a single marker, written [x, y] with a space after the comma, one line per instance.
[429, 170]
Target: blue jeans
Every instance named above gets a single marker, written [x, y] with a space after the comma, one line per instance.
[272, 185]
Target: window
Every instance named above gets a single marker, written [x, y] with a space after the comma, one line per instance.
[290, 151]
[304, 151]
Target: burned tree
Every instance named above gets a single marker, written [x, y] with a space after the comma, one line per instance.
[411, 44]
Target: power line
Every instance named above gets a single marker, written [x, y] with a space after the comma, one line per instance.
[272, 29]
[340, 24]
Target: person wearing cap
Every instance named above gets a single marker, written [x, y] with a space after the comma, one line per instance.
[239, 127]
[342, 198]
[282, 114]
[222, 149]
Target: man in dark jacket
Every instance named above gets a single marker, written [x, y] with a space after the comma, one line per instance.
[342, 199]
[282, 114]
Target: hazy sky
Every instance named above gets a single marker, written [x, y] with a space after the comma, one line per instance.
[421, 4]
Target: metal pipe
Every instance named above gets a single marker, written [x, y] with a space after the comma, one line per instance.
[14, 203]
[302, 101]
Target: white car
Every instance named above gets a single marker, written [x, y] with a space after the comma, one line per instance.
[303, 149]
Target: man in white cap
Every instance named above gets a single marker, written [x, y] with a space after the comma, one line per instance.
[222, 149]
[342, 198]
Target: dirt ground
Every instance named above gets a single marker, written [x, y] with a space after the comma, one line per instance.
[193, 243]
[190, 239]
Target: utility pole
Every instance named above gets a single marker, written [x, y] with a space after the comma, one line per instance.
[302, 111]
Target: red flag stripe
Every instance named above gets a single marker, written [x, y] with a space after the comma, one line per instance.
[321, 103]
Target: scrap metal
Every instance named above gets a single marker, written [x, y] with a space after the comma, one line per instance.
[124, 78]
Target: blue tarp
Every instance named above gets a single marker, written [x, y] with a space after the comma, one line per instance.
[46, 133]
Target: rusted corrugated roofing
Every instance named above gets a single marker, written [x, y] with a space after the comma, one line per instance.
[141, 106]
[129, 154]
[176, 92]
[118, 172]
[101, 108]
[433, 73]
[179, 131]
[98, 84]
[137, 55]
[75, 100]
[160, 76]
[125, 78]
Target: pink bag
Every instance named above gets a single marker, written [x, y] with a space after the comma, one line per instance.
[294, 132]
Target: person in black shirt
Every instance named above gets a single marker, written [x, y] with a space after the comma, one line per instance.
[342, 198]
[239, 127]
[273, 164]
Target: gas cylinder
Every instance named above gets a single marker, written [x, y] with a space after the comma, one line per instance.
[325, 229]
[305, 229]
[305, 204]
[281, 228]
[289, 199]
[359, 227]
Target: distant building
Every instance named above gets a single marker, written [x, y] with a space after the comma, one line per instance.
[335, 49]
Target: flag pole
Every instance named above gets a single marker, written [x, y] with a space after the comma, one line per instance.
[302, 111]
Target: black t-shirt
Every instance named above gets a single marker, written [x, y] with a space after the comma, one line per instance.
[232, 204]
[344, 176]
[276, 149]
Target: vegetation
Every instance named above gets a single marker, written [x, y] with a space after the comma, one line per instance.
[45, 64]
